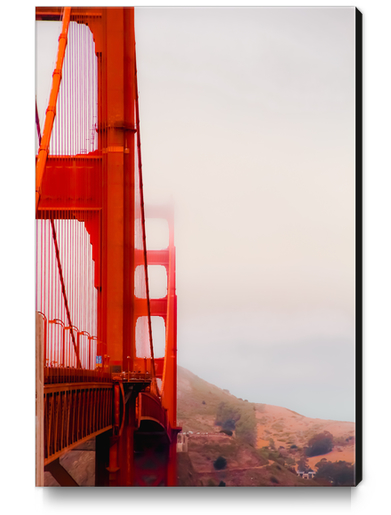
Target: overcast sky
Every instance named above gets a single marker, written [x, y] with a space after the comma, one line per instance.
[248, 124]
[247, 120]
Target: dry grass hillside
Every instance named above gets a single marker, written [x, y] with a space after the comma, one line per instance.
[262, 444]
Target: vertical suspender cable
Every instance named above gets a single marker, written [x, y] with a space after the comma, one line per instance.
[63, 290]
[51, 110]
[44, 148]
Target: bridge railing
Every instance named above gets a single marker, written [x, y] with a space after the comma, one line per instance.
[73, 414]
[71, 355]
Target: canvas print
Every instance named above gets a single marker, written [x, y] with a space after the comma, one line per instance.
[198, 247]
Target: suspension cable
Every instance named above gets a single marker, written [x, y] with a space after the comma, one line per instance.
[143, 216]
[37, 123]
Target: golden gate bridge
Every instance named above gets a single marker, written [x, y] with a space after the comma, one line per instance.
[96, 373]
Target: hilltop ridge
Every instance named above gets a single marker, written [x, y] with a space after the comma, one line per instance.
[258, 441]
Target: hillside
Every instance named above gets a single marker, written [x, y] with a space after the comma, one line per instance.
[266, 443]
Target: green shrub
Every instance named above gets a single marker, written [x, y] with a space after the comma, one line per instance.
[227, 432]
[319, 448]
[339, 474]
[264, 452]
[246, 430]
[239, 418]
[220, 463]
[226, 413]
[274, 455]
[320, 444]
[229, 425]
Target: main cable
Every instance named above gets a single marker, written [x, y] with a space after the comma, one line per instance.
[143, 215]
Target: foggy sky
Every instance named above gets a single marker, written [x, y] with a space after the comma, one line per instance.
[248, 125]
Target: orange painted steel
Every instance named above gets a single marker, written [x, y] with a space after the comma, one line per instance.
[94, 203]
[51, 110]
[75, 413]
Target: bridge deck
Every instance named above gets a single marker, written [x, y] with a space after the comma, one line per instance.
[75, 412]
